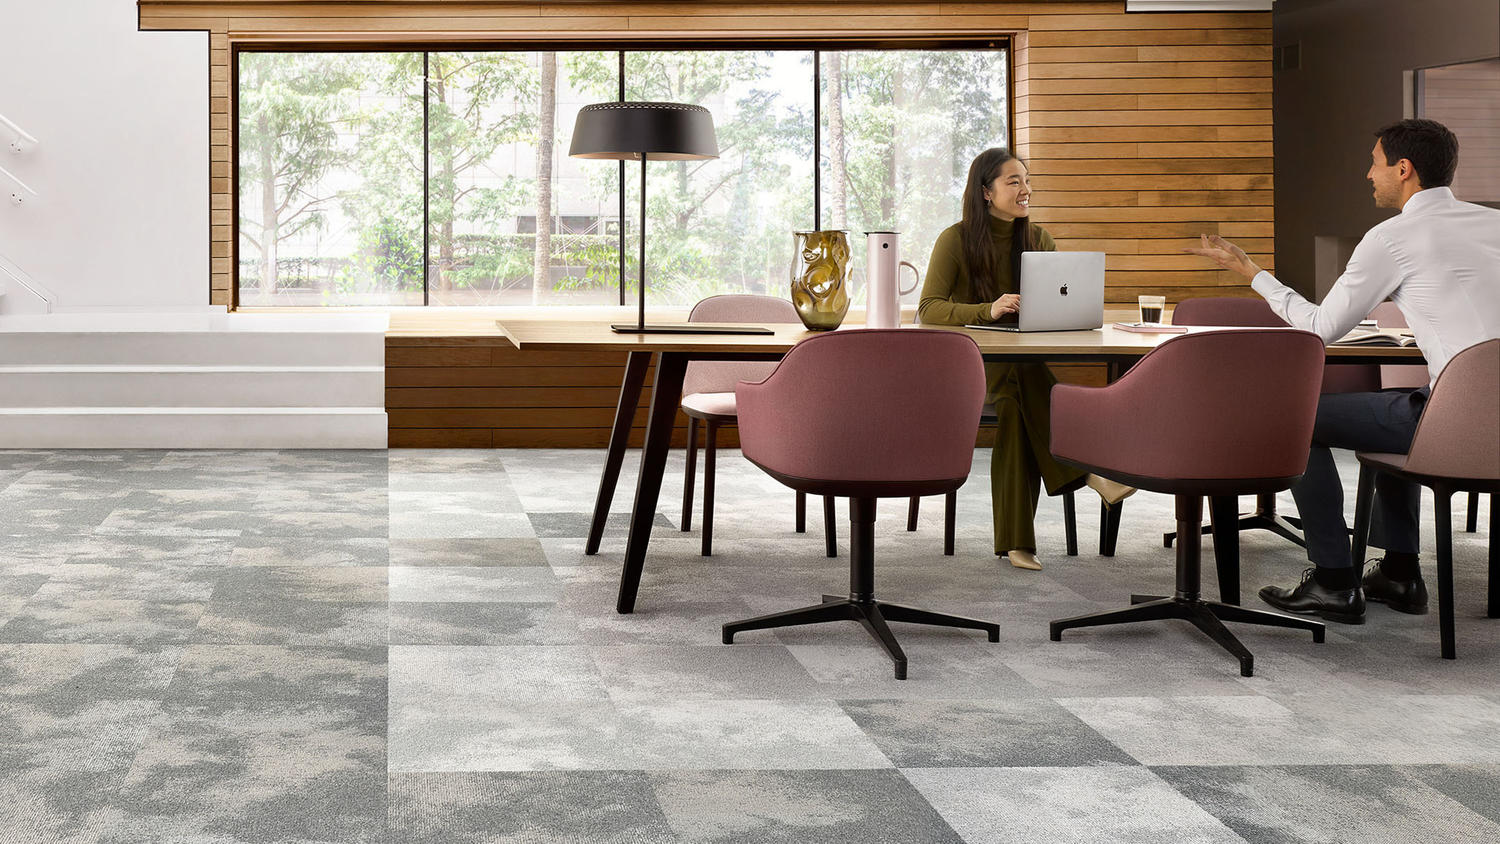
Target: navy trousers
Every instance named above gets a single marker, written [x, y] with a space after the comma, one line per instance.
[1384, 422]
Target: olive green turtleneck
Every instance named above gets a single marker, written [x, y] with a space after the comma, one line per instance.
[948, 296]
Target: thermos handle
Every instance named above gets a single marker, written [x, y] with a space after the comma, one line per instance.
[915, 272]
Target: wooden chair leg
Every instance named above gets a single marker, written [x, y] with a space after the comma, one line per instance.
[1224, 510]
[801, 512]
[690, 474]
[912, 509]
[1444, 516]
[950, 520]
[710, 447]
[1471, 525]
[1070, 523]
[830, 535]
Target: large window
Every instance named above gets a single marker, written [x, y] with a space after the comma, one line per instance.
[410, 178]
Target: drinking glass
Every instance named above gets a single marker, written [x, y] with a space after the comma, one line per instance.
[1152, 308]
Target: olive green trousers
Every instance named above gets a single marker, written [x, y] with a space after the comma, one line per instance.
[1022, 459]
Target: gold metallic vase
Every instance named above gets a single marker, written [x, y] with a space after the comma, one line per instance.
[820, 278]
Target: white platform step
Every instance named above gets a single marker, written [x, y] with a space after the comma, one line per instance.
[205, 348]
[192, 386]
[193, 427]
[192, 377]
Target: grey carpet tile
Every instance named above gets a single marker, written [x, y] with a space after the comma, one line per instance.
[275, 620]
[136, 550]
[534, 807]
[308, 551]
[456, 678]
[183, 806]
[172, 502]
[480, 623]
[62, 807]
[1477, 787]
[526, 735]
[31, 510]
[1009, 733]
[1331, 803]
[71, 618]
[359, 584]
[18, 583]
[248, 677]
[559, 525]
[469, 583]
[457, 517]
[514, 551]
[144, 581]
[942, 665]
[430, 616]
[291, 742]
[798, 807]
[646, 673]
[1089, 804]
[362, 498]
[62, 676]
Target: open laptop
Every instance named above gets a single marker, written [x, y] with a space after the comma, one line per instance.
[1060, 291]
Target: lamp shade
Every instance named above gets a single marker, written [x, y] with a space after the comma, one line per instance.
[663, 131]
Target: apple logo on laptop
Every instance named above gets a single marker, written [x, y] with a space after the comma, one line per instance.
[1063, 291]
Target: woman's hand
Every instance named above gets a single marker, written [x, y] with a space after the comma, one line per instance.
[1008, 303]
[1226, 255]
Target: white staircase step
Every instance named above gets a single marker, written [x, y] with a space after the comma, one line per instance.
[204, 348]
[192, 386]
[193, 427]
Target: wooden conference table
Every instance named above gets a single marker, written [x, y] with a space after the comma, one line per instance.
[1115, 348]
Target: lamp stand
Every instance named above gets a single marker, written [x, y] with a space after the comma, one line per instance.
[640, 326]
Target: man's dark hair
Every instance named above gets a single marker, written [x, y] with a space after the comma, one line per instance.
[1427, 144]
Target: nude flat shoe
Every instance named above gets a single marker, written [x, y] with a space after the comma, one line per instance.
[1110, 491]
[1024, 560]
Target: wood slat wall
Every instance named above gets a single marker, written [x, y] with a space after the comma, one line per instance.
[1142, 131]
[486, 394]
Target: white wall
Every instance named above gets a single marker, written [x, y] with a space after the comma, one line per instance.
[122, 166]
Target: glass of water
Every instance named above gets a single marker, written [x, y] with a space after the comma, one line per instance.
[1152, 308]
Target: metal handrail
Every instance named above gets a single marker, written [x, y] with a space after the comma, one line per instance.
[29, 284]
[17, 179]
[22, 134]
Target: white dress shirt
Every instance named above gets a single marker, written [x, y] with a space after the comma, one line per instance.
[1438, 260]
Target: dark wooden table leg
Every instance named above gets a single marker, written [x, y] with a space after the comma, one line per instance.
[666, 395]
[619, 440]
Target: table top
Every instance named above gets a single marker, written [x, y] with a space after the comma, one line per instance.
[595, 335]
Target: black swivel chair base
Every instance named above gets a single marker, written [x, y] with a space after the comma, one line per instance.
[861, 605]
[1207, 616]
[1186, 604]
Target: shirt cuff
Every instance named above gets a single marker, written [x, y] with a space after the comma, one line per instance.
[1265, 284]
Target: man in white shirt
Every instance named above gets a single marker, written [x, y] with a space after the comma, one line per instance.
[1439, 261]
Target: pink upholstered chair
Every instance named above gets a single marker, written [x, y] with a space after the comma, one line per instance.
[882, 413]
[1218, 414]
[708, 396]
[1337, 378]
[1456, 448]
[1387, 315]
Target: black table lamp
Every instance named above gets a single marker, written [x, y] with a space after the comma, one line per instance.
[663, 132]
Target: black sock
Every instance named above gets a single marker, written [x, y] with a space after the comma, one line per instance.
[1346, 577]
[1398, 566]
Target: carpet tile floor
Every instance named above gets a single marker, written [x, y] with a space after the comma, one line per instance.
[411, 646]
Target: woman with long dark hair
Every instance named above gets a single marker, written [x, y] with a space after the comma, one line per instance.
[974, 278]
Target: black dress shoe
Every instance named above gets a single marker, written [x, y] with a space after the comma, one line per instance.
[1408, 596]
[1346, 606]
